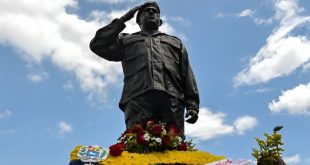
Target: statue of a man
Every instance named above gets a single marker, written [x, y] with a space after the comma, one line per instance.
[158, 80]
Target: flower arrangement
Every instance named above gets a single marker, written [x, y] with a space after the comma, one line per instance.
[270, 150]
[151, 136]
[166, 157]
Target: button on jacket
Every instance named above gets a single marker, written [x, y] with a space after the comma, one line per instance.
[157, 62]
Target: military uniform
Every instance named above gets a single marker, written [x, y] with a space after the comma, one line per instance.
[153, 66]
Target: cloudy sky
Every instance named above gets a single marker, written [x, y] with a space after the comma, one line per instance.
[251, 61]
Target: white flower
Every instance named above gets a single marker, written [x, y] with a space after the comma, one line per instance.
[174, 144]
[121, 139]
[164, 132]
[158, 140]
[146, 137]
[179, 139]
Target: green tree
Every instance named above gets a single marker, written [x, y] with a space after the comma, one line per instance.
[269, 149]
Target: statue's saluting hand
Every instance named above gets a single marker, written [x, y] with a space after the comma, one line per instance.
[130, 14]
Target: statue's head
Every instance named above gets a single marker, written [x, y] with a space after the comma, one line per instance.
[148, 16]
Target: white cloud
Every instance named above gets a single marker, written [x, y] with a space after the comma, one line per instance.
[43, 30]
[180, 20]
[283, 53]
[307, 160]
[246, 13]
[6, 113]
[306, 67]
[263, 90]
[64, 128]
[37, 77]
[284, 9]
[295, 159]
[220, 15]
[259, 91]
[211, 125]
[68, 86]
[166, 27]
[245, 123]
[111, 1]
[295, 101]
[104, 18]
[48, 32]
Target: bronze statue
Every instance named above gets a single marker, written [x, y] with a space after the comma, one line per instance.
[158, 80]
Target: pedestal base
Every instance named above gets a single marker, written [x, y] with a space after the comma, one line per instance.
[157, 158]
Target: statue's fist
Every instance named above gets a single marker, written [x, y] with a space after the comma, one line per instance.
[192, 116]
[130, 13]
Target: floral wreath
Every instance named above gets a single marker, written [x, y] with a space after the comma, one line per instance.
[151, 136]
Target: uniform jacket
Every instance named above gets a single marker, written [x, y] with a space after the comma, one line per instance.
[157, 62]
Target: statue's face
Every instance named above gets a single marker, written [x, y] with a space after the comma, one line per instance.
[150, 18]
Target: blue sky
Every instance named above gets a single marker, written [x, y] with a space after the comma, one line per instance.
[251, 60]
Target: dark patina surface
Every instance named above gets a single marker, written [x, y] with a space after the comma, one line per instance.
[158, 80]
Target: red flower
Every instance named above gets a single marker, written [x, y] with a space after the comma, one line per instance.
[182, 147]
[117, 149]
[166, 140]
[157, 129]
[138, 129]
[127, 132]
[141, 140]
[173, 130]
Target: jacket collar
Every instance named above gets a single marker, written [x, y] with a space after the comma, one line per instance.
[155, 34]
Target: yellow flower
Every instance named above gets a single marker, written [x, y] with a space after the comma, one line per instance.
[186, 157]
[74, 153]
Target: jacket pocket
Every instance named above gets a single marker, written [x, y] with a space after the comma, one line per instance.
[134, 46]
[130, 39]
[170, 48]
[135, 54]
[172, 65]
[135, 79]
[174, 72]
[133, 65]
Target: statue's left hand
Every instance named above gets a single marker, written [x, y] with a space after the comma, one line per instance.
[192, 116]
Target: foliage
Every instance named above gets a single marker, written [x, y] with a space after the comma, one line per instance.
[269, 150]
[151, 136]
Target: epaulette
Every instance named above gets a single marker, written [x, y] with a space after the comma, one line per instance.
[171, 36]
[175, 41]
[122, 35]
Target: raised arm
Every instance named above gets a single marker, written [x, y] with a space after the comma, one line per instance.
[106, 42]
